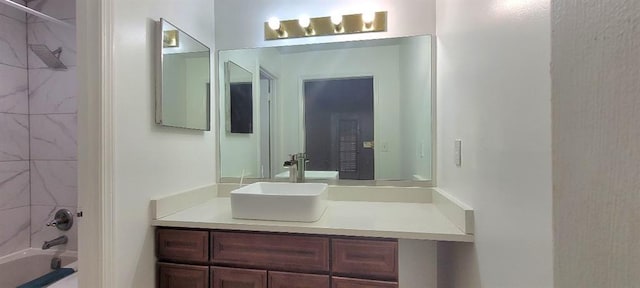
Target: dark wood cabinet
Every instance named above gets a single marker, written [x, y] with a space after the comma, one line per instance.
[185, 246]
[238, 278]
[272, 251]
[196, 258]
[374, 259]
[182, 276]
[340, 282]
[297, 280]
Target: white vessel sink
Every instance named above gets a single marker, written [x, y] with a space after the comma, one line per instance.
[331, 175]
[300, 202]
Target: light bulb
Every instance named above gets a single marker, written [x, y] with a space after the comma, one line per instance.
[304, 21]
[336, 19]
[274, 23]
[368, 17]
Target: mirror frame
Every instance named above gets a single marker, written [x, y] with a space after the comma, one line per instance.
[347, 183]
[159, 66]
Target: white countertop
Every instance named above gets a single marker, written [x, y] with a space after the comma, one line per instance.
[422, 221]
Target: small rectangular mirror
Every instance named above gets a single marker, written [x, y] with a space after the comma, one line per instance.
[239, 98]
[182, 79]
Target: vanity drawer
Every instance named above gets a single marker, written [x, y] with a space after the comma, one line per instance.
[187, 246]
[340, 282]
[297, 280]
[271, 251]
[365, 258]
[222, 277]
[182, 276]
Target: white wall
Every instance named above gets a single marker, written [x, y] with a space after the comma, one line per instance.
[150, 160]
[240, 23]
[415, 108]
[596, 143]
[494, 94]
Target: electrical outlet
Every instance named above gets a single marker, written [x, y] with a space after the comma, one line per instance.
[458, 152]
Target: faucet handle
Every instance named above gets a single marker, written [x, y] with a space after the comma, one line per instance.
[63, 220]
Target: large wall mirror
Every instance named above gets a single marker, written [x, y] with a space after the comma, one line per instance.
[360, 110]
[183, 76]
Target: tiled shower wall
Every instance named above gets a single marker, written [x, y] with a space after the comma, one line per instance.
[53, 122]
[14, 132]
[37, 126]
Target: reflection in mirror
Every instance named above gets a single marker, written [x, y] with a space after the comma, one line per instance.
[360, 110]
[239, 98]
[182, 80]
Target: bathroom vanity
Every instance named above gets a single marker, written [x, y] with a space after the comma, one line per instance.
[367, 237]
[223, 258]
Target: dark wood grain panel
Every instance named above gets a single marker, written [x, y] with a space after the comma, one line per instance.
[271, 251]
[182, 276]
[185, 246]
[376, 259]
[222, 277]
[297, 280]
[340, 282]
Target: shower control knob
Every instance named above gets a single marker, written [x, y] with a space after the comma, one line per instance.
[63, 220]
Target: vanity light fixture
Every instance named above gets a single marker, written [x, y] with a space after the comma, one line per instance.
[276, 25]
[170, 39]
[336, 20]
[367, 20]
[305, 23]
[335, 24]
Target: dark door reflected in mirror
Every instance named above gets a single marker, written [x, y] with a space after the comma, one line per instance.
[339, 126]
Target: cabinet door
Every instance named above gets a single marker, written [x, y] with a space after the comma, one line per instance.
[369, 259]
[238, 278]
[182, 276]
[339, 282]
[185, 246]
[297, 280]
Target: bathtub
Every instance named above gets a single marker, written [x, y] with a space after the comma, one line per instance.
[29, 264]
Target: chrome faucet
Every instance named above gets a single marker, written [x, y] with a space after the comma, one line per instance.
[297, 167]
[55, 242]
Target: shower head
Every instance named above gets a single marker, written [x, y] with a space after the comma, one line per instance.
[50, 58]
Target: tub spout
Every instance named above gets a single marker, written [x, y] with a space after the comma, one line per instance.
[55, 242]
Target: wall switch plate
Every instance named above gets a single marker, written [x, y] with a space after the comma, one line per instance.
[458, 152]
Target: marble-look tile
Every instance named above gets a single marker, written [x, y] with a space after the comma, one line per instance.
[15, 230]
[14, 184]
[14, 13]
[14, 84]
[14, 143]
[40, 232]
[53, 91]
[53, 36]
[54, 183]
[53, 137]
[60, 9]
[13, 44]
